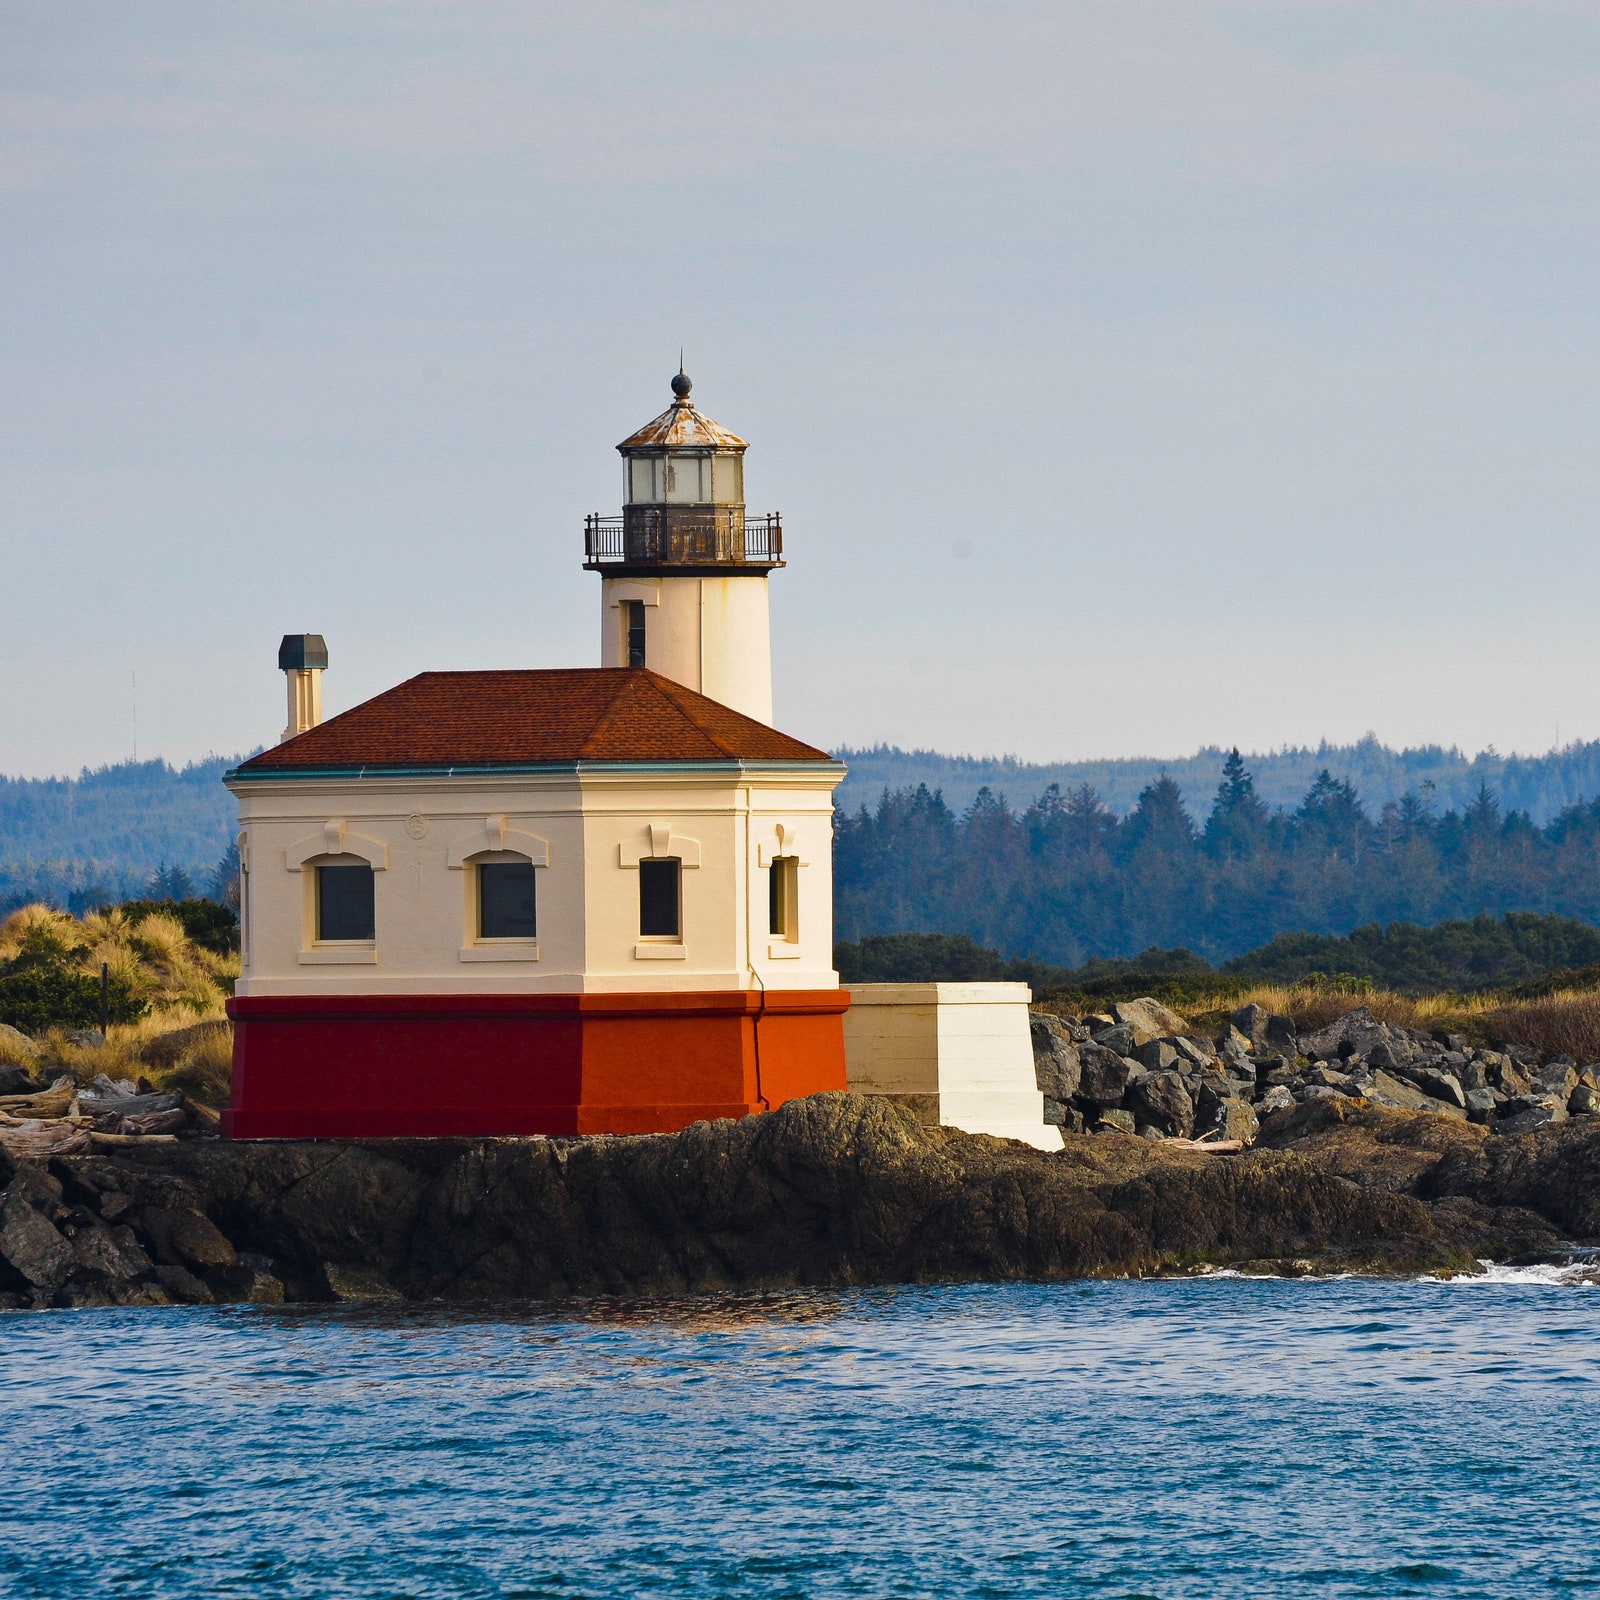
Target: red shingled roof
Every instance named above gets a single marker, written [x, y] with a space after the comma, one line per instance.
[472, 719]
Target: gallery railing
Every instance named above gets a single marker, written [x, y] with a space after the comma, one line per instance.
[689, 536]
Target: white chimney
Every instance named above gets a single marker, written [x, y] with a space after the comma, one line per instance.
[302, 658]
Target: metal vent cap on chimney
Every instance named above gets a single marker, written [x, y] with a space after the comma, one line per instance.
[302, 651]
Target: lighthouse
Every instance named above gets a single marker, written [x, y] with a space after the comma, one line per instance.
[684, 569]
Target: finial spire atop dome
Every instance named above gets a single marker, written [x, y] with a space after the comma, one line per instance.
[681, 384]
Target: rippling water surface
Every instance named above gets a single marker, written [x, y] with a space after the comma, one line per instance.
[1222, 1436]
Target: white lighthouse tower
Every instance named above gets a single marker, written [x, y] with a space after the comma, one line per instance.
[684, 569]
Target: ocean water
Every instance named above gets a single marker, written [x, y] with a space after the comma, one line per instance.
[1220, 1436]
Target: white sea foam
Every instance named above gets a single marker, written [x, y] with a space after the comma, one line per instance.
[1576, 1274]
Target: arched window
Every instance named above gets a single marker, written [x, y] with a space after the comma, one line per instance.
[508, 905]
[345, 910]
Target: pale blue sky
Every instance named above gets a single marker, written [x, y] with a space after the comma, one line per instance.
[1130, 375]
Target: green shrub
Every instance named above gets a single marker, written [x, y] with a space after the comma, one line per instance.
[211, 926]
[36, 997]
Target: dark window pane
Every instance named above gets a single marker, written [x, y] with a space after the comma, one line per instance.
[505, 900]
[635, 612]
[344, 902]
[658, 898]
[777, 923]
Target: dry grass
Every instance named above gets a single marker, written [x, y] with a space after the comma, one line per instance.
[204, 1071]
[152, 956]
[181, 984]
[1567, 1022]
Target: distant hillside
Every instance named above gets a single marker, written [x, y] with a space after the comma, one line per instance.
[104, 834]
[1541, 786]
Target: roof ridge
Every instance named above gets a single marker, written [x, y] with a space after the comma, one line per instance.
[608, 712]
[670, 690]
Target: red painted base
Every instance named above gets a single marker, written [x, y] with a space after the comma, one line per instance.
[389, 1066]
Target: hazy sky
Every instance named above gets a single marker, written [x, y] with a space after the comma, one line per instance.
[1130, 375]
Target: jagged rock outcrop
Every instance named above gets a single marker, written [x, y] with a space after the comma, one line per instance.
[834, 1189]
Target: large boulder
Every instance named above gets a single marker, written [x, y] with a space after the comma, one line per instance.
[1435, 1082]
[1356, 1033]
[1158, 1055]
[1557, 1078]
[1161, 1100]
[1235, 1119]
[16, 1080]
[1104, 1075]
[33, 1253]
[108, 1252]
[1056, 1067]
[1148, 1019]
[1122, 1038]
[1389, 1091]
[183, 1238]
[16, 1048]
[1197, 1052]
[1251, 1021]
[1525, 1112]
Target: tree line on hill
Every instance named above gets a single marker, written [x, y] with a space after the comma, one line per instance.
[1541, 785]
[1522, 952]
[1065, 880]
[114, 833]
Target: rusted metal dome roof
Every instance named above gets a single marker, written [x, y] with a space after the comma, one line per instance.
[681, 424]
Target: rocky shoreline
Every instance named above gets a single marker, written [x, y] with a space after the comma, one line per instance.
[1138, 1068]
[833, 1190]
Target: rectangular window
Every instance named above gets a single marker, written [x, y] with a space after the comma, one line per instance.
[633, 629]
[344, 903]
[506, 908]
[658, 899]
[783, 883]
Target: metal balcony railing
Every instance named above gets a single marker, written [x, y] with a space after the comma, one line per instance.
[683, 536]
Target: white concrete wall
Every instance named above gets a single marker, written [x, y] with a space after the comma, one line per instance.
[590, 832]
[711, 634]
[959, 1053]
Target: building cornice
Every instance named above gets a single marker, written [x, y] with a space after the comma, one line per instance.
[622, 771]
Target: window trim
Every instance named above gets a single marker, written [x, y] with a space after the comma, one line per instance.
[497, 837]
[314, 950]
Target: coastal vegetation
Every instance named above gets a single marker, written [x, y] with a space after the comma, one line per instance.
[166, 984]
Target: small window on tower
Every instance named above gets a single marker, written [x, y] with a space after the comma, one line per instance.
[633, 631]
[783, 884]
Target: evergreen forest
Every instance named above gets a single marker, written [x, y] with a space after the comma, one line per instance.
[1065, 879]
